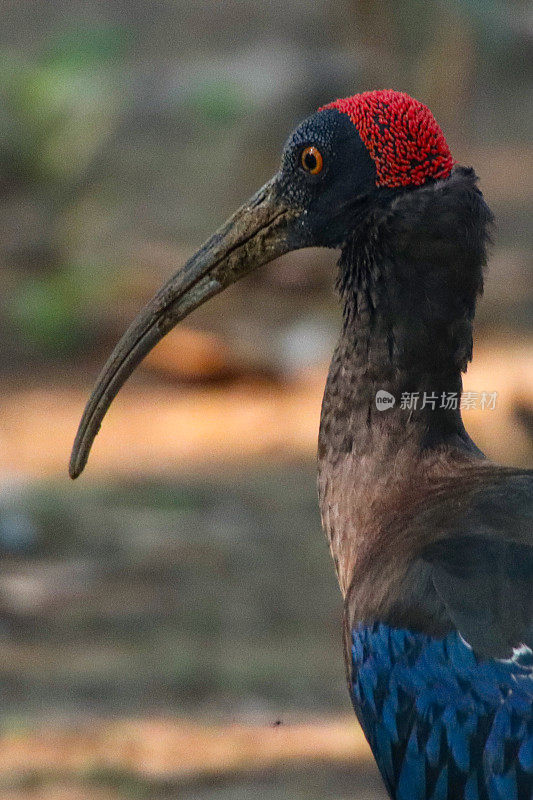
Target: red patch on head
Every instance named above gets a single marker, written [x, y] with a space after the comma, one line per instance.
[401, 135]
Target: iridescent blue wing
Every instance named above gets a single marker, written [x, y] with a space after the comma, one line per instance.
[442, 724]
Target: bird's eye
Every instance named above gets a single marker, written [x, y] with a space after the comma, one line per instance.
[312, 160]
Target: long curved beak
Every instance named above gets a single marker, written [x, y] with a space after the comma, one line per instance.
[257, 233]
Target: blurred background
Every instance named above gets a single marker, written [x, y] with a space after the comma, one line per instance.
[170, 623]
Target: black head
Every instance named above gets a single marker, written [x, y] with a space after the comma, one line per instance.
[327, 171]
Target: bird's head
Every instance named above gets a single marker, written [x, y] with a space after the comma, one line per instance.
[353, 153]
[343, 160]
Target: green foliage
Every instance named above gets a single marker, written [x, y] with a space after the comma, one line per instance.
[81, 47]
[56, 110]
[51, 312]
[218, 102]
[42, 312]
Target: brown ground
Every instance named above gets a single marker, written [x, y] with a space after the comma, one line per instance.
[109, 760]
[170, 748]
[178, 429]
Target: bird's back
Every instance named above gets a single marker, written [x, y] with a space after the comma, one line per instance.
[441, 723]
[444, 693]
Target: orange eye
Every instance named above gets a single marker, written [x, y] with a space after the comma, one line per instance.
[312, 160]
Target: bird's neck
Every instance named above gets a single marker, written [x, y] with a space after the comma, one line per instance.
[409, 279]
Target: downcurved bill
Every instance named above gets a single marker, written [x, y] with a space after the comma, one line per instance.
[255, 234]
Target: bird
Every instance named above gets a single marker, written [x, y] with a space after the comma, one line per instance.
[432, 541]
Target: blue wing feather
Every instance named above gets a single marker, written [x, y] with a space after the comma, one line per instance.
[443, 724]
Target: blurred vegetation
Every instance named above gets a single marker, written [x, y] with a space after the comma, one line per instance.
[57, 111]
[153, 596]
[134, 133]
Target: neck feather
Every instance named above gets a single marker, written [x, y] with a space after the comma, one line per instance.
[409, 278]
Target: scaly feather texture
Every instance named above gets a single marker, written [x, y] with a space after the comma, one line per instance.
[442, 724]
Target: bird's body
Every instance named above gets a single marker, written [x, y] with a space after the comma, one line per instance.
[432, 542]
[430, 539]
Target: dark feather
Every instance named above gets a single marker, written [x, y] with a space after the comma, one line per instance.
[482, 567]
